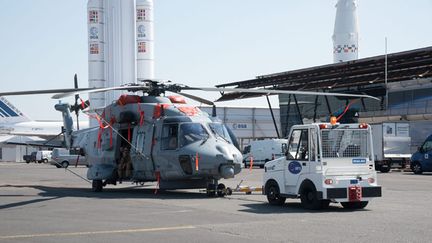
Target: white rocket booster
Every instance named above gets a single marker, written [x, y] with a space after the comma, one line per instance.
[96, 56]
[345, 36]
[120, 36]
[120, 45]
[144, 39]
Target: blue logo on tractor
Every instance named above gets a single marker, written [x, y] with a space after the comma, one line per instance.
[294, 167]
[359, 161]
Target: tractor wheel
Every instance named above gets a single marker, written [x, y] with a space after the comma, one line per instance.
[309, 197]
[273, 194]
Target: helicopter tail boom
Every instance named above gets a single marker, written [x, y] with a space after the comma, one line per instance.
[67, 123]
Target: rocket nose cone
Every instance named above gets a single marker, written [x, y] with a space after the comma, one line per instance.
[346, 4]
[346, 17]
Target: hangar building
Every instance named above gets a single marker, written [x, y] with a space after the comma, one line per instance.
[402, 81]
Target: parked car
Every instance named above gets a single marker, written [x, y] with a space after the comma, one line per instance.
[30, 157]
[421, 161]
[43, 156]
[62, 158]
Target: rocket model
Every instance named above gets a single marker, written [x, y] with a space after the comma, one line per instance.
[345, 36]
[96, 57]
[120, 38]
[144, 39]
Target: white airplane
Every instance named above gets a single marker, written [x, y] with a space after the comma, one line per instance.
[14, 122]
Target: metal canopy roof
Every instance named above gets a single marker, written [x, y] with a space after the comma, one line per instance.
[363, 75]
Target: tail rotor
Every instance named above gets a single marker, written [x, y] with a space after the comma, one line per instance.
[79, 103]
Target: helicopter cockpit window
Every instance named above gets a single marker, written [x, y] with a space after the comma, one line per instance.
[220, 130]
[192, 132]
[170, 136]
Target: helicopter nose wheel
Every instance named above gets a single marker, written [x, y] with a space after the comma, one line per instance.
[221, 192]
[214, 189]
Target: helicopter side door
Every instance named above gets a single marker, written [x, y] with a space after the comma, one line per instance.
[166, 150]
[141, 154]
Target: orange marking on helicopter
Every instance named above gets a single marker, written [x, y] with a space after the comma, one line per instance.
[177, 99]
[129, 132]
[125, 99]
[188, 110]
[157, 112]
[157, 174]
[141, 112]
[82, 103]
[196, 161]
[111, 136]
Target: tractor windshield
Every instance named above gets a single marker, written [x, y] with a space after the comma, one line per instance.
[191, 133]
[220, 130]
[345, 143]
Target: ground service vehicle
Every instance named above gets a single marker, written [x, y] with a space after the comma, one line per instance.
[152, 137]
[392, 144]
[324, 163]
[421, 161]
[43, 156]
[262, 151]
[62, 157]
[30, 157]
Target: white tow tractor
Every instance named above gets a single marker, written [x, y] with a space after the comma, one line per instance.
[324, 163]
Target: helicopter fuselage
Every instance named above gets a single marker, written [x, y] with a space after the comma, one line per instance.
[165, 140]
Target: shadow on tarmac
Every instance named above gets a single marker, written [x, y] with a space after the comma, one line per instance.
[137, 192]
[292, 207]
[134, 192]
[412, 174]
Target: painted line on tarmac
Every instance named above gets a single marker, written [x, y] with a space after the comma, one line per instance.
[99, 232]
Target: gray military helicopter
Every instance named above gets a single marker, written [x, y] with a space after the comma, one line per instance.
[154, 137]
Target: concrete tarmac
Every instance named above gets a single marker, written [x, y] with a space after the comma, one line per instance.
[41, 203]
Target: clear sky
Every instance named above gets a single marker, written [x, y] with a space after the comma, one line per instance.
[197, 42]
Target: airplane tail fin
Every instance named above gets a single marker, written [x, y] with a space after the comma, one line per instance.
[9, 114]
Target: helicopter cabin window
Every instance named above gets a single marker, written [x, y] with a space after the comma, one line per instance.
[140, 141]
[170, 136]
[219, 130]
[191, 133]
[298, 145]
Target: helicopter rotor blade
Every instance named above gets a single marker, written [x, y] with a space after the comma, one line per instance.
[43, 91]
[272, 92]
[131, 88]
[196, 98]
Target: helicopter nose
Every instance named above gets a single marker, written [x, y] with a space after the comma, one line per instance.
[231, 164]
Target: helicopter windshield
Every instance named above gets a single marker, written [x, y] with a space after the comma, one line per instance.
[192, 132]
[220, 130]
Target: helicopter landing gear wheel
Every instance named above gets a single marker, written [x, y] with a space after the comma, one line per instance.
[97, 185]
[211, 190]
[229, 191]
[221, 192]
